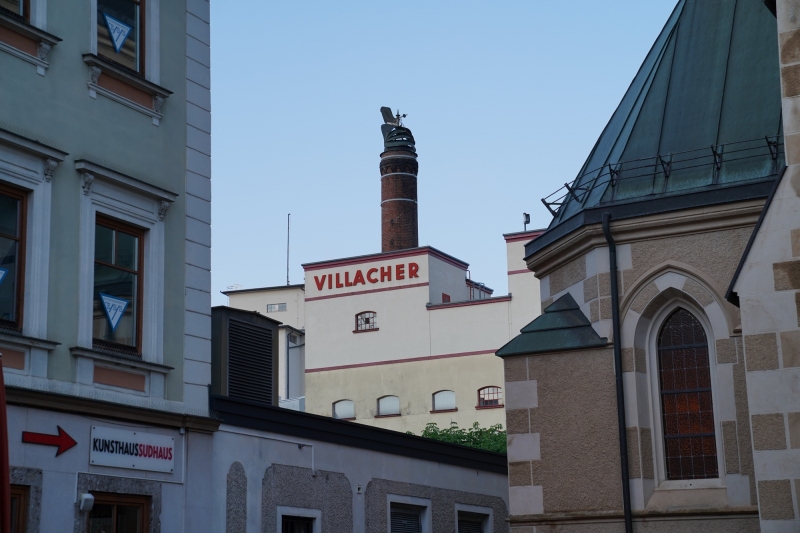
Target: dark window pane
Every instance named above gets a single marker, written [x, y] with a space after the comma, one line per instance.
[16, 7]
[127, 250]
[129, 519]
[122, 42]
[104, 244]
[9, 262]
[684, 366]
[9, 215]
[114, 317]
[100, 518]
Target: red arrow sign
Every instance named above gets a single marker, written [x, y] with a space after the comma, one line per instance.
[62, 440]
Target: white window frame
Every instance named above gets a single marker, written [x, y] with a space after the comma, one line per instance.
[488, 512]
[433, 401]
[337, 402]
[316, 514]
[132, 201]
[152, 41]
[399, 405]
[424, 505]
[659, 455]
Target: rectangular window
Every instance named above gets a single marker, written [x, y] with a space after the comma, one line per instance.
[119, 513]
[405, 519]
[471, 522]
[276, 308]
[21, 8]
[19, 508]
[445, 298]
[12, 256]
[117, 307]
[120, 32]
[297, 524]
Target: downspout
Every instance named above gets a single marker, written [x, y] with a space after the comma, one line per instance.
[623, 436]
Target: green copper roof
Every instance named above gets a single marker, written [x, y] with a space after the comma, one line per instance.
[703, 114]
[562, 326]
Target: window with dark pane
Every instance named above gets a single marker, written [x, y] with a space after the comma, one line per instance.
[404, 519]
[471, 522]
[12, 256]
[490, 397]
[686, 408]
[20, 495]
[117, 285]
[119, 32]
[19, 8]
[297, 524]
[366, 321]
[119, 513]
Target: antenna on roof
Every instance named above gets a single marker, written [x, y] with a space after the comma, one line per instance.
[526, 219]
[288, 222]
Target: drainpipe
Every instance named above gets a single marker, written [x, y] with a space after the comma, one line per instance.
[623, 436]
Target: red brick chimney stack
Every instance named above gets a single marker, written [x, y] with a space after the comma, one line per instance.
[399, 229]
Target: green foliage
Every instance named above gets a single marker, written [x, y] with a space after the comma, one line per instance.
[492, 439]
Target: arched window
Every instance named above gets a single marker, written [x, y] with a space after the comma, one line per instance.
[444, 400]
[686, 407]
[344, 409]
[489, 397]
[366, 321]
[389, 406]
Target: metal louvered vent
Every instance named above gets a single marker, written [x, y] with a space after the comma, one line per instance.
[469, 526]
[404, 521]
[249, 362]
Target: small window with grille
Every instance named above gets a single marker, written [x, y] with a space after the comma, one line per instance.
[472, 522]
[405, 519]
[297, 524]
[489, 397]
[276, 308]
[366, 321]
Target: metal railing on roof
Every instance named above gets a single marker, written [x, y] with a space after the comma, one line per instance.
[660, 169]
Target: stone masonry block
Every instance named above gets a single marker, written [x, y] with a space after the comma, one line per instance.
[634, 360]
[590, 288]
[775, 500]
[790, 80]
[594, 311]
[769, 432]
[605, 308]
[198, 117]
[198, 28]
[198, 73]
[787, 275]
[568, 275]
[604, 283]
[794, 430]
[547, 303]
[517, 421]
[648, 470]
[790, 348]
[643, 298]
[790, 47]
[516, 368]
[519, 474]
[198, 51]
[698, 292]
[761, 351]
[797, 306]
[796, 243]
[627, 360]
[726, 351]
[634, 463]
[792, 145]
[731, 447]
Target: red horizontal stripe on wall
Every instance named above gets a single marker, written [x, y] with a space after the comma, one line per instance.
[523, 271]
[396, 361]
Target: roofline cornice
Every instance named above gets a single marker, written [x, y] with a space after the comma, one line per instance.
[662, 225]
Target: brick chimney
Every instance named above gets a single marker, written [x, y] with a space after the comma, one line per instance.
[399, 229]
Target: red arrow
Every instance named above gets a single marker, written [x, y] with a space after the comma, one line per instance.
[62, 440]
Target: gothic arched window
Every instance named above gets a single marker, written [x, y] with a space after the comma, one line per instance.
[686, 407]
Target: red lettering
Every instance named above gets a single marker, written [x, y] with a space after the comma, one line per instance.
[320, 282]
[370, 272]
[330, 281]
[338, 283]
[347, 280]
[400, 271]
[413, 268]
[159, 453]
[169, 454]
[386, 275]
[359, 278]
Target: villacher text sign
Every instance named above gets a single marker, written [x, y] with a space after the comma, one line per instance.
[382, 274]
[139, 450]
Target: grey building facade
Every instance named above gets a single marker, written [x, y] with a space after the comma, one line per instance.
[105, 262]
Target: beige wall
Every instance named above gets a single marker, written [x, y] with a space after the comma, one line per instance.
[522, 285]
[414, 383]
[293, 297]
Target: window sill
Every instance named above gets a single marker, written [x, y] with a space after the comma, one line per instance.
[120, 360]
[25, 41]
[501, 406]
[6, 336]
[444, 410]
[126, 88]
[387, 416]
[366, 330]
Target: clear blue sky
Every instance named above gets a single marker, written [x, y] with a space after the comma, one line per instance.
[505, 100]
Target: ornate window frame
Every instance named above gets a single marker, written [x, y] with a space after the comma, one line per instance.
[659, 455]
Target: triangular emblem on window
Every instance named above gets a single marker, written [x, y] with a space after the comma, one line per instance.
[3, 273]
[114, 308]
[118, 31]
